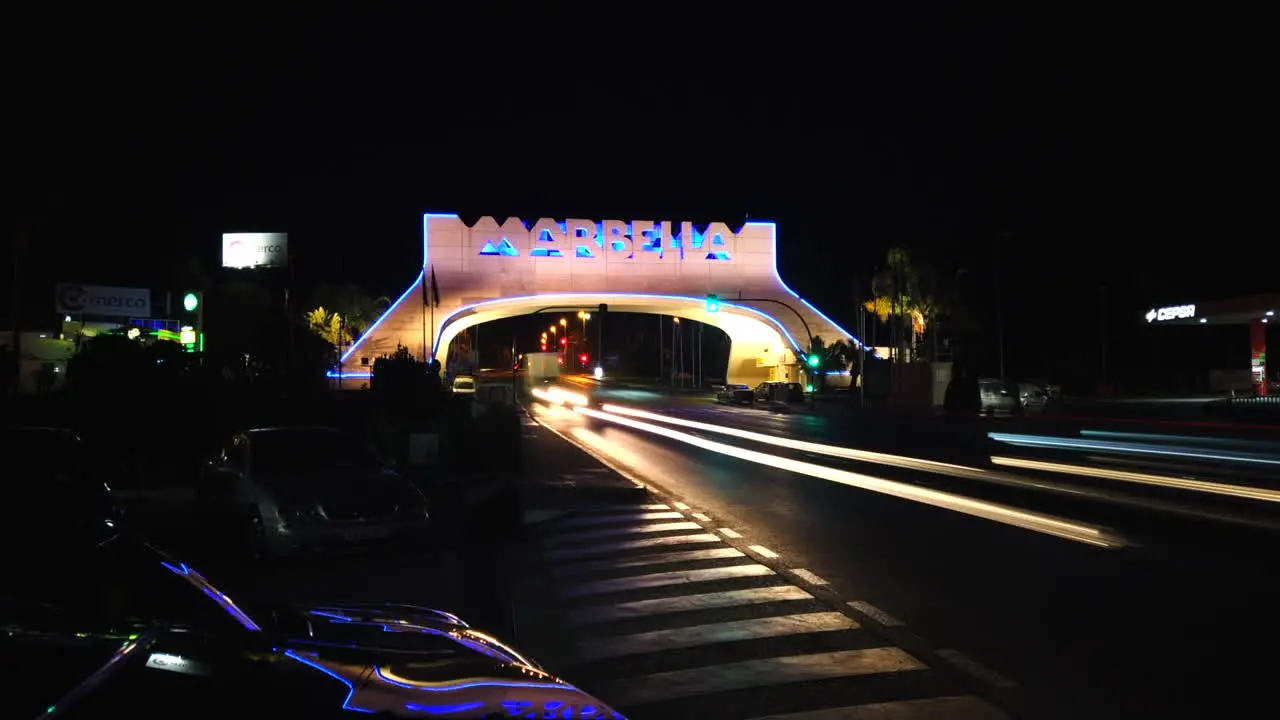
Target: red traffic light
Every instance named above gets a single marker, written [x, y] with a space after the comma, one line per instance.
[564, 341]
[582, 358]
[544, 347]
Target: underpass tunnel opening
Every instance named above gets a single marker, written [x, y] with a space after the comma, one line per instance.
[673, 341]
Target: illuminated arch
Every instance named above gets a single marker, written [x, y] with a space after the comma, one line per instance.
[478, 283]
[753, 334]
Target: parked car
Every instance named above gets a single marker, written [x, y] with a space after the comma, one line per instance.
[119, 629]
[1035, 398]
[464, 385]
[734, 394]
[277, 491]
[999, 397]
[788, 393]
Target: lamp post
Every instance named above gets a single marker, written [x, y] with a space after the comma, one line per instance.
[584, 316]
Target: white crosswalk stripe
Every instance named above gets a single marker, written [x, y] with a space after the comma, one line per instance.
[669, 620]
[660, 640]
[587, 535]
[717, 553]
[611, 519]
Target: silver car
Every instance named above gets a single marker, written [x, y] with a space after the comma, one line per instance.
[279, 491]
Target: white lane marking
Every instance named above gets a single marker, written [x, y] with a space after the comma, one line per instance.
[976, 669]
[763, 551]
[681, 577]
[610, 519]
[876, 613]
[580, 552]
[730, 533]
[579, 536]
[681, 506]
[758, 673]
[688, 603]
[733, 631]
[809, 577]
[658, 559]
[701, 516]
[956, 707]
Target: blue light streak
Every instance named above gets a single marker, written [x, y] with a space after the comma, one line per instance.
[198, 580]
[1122, 447]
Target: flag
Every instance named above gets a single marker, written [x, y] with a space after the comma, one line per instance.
[435, 289]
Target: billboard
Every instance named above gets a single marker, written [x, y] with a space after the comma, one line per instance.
[73, 299]
[253, 250]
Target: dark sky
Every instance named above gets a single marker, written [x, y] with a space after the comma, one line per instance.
[1128, 151]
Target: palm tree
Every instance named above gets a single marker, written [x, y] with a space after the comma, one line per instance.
[358, 310]
[836, 356]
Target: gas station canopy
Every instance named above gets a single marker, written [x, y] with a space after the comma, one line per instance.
[1234, 311]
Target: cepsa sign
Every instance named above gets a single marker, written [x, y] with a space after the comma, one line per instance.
[255, 250]
[1174, 312]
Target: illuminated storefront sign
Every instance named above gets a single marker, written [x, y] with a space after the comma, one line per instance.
[1173, 312]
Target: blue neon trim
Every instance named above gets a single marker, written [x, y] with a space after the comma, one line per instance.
[195, 578]
[351, 688]
[378, 322]
[365, 375]
[640, 296]
[773, 227]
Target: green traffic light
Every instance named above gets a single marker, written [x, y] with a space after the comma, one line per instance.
[190, 302]
[814, 361]
[713, 303]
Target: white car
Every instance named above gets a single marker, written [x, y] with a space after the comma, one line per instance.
[464, 385]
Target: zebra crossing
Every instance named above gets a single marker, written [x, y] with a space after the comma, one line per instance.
[671, 620]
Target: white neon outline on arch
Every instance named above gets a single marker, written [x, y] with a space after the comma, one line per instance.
[435, 342]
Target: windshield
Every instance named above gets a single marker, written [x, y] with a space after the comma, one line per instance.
[293, 451]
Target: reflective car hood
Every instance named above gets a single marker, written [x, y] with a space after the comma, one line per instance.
[413, 661]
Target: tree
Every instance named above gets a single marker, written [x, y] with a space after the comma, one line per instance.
[910, 299]
[327, 326]
[357, 309]
[836, 356]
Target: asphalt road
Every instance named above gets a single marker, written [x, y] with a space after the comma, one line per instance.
[1175, 618]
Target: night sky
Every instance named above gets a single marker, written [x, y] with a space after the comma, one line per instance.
[1103, 150]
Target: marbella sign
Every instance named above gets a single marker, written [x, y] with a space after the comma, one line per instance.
[615, 239]
[1173, 312]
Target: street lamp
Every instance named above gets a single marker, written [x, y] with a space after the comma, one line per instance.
[584, 316]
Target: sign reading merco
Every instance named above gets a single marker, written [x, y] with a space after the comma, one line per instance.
[615, 239]
[1173, 312]
[73, 299]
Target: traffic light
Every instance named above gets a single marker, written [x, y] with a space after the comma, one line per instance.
[564, 340]
[713, 303]
[814, 360]
[582, 358]
[191, 323]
